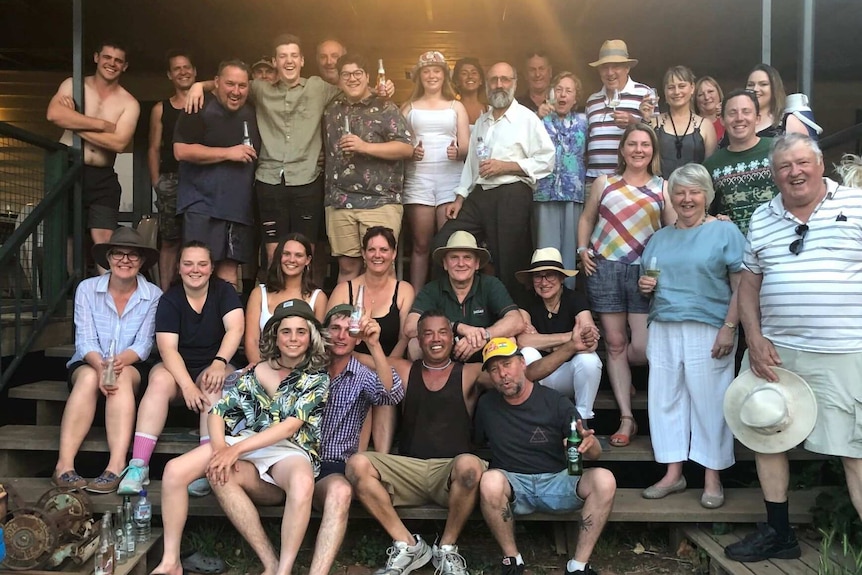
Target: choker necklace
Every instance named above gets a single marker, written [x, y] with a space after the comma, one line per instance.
[428, 367]
[677, 138]
[282, 366]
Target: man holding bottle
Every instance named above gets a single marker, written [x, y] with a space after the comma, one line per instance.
[526, 427]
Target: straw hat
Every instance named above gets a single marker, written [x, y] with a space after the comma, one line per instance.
[770, 417]
[462, 241]
[125, 237]
[544, 259]
[614, 51]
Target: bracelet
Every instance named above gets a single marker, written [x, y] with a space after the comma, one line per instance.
[220, 358]
[455, 326]
[581, 250]
[730, 324]
[487, 334]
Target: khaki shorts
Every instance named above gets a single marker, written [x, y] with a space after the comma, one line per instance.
[412, 481]
[836, 380]
[346, 226]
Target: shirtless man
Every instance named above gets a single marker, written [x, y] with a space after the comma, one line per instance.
[163, 165]
[106, 126]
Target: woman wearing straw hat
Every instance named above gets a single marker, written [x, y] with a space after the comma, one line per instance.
[114, 324]
[441, 133]
[692, 335]
[554, 314]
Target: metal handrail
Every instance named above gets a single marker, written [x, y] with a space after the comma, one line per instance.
[838, 138]
[62, 170]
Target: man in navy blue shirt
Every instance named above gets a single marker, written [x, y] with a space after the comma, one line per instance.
[217, 149]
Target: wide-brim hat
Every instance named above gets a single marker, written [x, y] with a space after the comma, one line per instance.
[125, 237]
[614, 52]
[544, 259]
[499, 347]
[462, 241]
[292, 308]
[431, 58]
[770, 417]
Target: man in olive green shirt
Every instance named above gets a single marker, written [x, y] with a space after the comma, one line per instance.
[478, 305]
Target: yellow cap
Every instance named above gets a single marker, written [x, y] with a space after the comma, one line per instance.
[499, 347]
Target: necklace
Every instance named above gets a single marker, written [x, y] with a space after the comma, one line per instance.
[428, 367]
[700, 223]
[677, 138]
[281, 365]
[554, 308]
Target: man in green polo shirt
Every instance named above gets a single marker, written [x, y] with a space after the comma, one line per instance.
[478, 305]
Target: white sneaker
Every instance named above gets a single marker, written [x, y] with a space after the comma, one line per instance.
[447, 560]
[404, 558]
[135, 477]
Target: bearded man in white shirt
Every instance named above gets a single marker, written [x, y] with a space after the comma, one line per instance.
[495, 197]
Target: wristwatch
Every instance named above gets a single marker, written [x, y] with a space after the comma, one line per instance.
[487, 334]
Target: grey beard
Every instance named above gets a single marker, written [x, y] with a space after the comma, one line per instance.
[500, 99]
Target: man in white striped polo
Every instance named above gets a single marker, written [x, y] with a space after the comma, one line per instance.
[620, 102]
[801, 305]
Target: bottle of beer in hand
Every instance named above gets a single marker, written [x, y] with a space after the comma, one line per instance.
[381, 77]
[573, 456]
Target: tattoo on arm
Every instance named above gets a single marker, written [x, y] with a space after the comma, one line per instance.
[507, 513]
[586, 523]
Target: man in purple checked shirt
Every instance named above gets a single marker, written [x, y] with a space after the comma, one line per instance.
[353, 389]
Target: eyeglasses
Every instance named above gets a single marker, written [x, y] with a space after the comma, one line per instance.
[796, 245]
[356, 75]
[549, 277]
[117, 257]
[500, 80]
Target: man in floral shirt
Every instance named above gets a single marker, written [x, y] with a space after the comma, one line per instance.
[366, 143]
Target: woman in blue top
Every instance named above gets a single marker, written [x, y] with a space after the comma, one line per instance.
[691, 270]
[559, 198]
[114, 314]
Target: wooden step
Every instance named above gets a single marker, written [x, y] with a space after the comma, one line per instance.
[26, 438]
[808, 564]
[58, 391]
[743, 505]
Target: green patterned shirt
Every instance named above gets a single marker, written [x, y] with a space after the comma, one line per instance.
[301, 395]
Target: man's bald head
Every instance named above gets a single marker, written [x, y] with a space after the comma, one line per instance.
[501, 84]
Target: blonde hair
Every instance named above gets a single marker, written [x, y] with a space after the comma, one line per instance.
[850, 170]
[447, 90]
[316, 357]
[654, 166]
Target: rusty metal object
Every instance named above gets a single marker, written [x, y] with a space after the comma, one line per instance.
[31, 536]
[70, 509]
[3, 501]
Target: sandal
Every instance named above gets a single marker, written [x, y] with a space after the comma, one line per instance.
[621, 439]
[197, 562]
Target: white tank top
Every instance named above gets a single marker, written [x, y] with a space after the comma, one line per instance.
[265, 314]
[435, 129]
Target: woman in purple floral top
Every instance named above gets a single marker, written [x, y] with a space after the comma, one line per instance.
[559, 198]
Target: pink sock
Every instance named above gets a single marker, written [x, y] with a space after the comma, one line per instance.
[205, 439]
[144, 446]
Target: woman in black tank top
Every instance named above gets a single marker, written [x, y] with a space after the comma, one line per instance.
[381, 288]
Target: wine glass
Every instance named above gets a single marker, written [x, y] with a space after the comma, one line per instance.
[615, 100]
[652, 270]
[552, 97]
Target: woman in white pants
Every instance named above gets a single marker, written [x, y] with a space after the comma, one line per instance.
[691, 271]
[554, 313]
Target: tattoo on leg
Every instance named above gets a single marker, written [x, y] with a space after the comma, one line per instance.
[507, 512]
[586, 523]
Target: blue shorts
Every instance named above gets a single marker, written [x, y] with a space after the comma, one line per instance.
[613, 288]
[328, 468]
[544, 492]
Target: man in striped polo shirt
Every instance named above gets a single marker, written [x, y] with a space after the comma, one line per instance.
[620, 102]
[801, 305]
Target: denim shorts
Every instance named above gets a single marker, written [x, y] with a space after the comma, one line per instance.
[544, 492]
[613, 288]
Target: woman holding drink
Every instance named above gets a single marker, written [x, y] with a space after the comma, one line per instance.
[114, 324]
[692, 335]
[622, 213]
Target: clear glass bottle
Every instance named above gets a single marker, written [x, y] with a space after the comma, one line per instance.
[105, 550]
[356, 316]
[120, 552]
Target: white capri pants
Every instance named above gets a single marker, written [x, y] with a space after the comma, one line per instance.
[686, 394]
[578, 378]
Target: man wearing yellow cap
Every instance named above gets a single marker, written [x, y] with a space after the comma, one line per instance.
[525, 426]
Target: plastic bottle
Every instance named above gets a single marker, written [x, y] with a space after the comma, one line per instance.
[105, 550]
[143, 517]
[356, 316]
[574, 463]
[246, 139]
[482, 150]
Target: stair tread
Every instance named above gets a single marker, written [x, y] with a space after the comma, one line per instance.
[743, 505]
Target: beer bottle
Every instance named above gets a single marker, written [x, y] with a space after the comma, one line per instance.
[381, 77]
[573, 456]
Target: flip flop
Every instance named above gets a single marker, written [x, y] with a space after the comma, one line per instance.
[197, 562]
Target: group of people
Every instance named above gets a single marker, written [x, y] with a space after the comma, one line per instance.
[682, 236]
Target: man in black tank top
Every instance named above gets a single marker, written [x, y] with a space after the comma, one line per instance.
[526, 426]
[162, 164]
[435, 464]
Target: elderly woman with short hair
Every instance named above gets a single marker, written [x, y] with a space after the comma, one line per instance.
[692, 335]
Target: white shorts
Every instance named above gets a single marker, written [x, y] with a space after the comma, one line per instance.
[431, 184]
[265, 457]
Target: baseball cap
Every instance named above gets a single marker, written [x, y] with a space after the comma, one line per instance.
[499, 347]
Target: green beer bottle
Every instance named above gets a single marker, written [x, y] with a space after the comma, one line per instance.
[573, 456]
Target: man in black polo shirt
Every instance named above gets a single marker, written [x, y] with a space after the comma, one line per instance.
[217, 171]
[479, 305]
